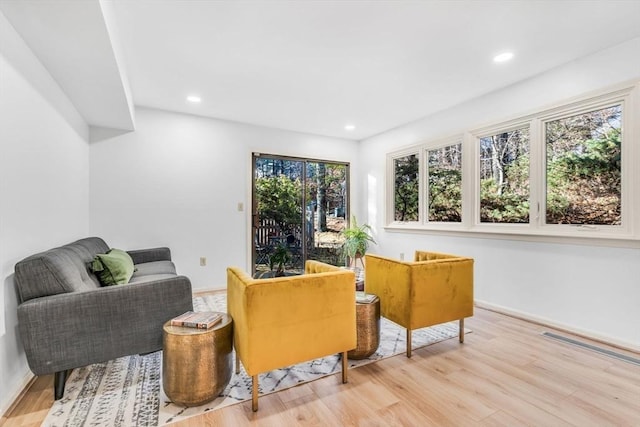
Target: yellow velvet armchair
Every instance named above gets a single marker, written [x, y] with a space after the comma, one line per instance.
[435, 288]
[283, 321]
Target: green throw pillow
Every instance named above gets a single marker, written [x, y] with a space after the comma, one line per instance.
[113, 268]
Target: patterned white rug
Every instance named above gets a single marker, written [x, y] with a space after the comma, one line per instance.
[128, 391]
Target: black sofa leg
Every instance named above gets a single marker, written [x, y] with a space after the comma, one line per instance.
[59, 379]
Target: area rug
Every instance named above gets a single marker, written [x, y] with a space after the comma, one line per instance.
[128, 391]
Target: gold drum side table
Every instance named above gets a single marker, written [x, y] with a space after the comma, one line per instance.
[196, 363]
[368, 329]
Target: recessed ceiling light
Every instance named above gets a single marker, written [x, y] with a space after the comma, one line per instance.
[503, 57]
[193, 98]
[349, 127]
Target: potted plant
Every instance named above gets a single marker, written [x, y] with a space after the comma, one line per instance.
[280, 256]
[357, 239]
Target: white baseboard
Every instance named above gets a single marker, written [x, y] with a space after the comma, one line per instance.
[13, 399]
[204, 291]
[625, 345]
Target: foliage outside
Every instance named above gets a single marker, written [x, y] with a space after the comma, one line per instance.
[584, 179]
[583, 174]
[445, 184]
[406, 187]
[302, 203]
[327, 189]
[504, 177]
[279, 198]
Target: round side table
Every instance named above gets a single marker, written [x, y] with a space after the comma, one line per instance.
[368, 329]
[196, 363]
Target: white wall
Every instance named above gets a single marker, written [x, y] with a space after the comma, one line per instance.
[177, 180]
[44, 175]
[593, 290]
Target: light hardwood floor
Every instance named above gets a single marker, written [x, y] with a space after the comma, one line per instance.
[505, 374]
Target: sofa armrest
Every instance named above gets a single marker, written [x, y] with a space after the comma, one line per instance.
[141, 256]
[75, 329]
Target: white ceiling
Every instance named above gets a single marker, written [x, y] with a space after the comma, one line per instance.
[309, 66]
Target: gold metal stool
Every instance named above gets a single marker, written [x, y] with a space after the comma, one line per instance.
[368, 329]
[196, 363]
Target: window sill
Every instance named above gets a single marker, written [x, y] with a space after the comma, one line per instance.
[586, 238]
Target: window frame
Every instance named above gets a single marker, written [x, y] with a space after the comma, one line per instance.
[434, 145]
[475, 137]
[617, 98]
[391, 187]
[625, 235]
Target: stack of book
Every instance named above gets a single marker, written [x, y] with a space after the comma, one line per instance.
[200, 319]
[364, 298]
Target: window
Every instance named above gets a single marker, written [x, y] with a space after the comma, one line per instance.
[584, 168]
[444, 171]
[504, 177]
[570, 171]
[406, 188]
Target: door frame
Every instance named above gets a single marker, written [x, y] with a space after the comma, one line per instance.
[252, 209]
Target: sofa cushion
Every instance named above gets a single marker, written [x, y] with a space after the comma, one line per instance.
[58, 270]
[113, 268]
[150, 278]
[154, 267]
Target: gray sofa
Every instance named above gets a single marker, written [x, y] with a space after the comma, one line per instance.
[67, 320]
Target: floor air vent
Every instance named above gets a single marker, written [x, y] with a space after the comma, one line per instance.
[604, 351]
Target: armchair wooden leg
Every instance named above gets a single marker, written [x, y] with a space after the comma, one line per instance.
[461, 332]
[345, 366]
[237, 363]
[408, 342]
[254, 393]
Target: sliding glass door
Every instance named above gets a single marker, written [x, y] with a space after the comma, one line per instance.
[299, 207]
